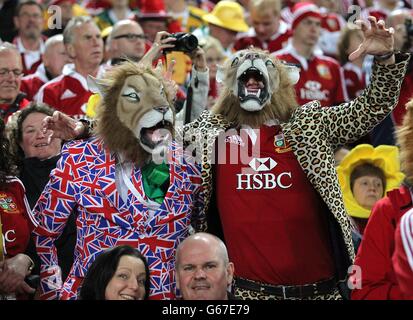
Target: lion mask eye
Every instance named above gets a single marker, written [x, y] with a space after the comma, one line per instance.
[131, 95]
[269, 63]
[235, 62]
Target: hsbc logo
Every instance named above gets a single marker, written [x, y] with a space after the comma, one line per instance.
[262, 164]
[313, 91]
[313, 85]
[263, 181]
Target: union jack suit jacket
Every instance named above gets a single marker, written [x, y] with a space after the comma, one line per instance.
[84, 180]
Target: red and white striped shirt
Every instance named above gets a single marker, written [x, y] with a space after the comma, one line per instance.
[68, 93]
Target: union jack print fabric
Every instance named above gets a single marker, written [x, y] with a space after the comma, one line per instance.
[84, 179]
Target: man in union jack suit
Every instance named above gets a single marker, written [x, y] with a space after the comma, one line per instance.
[121, 192]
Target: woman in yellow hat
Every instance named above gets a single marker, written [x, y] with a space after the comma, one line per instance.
[365, 175]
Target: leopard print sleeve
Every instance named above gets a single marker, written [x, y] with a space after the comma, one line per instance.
[350, 121]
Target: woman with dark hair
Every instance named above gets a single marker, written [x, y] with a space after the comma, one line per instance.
[36, 156]
[15, 226]
[365, 175]
[120, 273]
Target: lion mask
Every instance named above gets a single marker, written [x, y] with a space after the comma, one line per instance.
[136, 115]
[257, 88]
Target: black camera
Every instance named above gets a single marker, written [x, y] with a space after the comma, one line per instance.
[185, 42]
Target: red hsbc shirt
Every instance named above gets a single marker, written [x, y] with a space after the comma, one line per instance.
[14, 210]
[271, 214]
[321, 78]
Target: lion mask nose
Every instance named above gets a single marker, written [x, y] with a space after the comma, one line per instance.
[162, 109]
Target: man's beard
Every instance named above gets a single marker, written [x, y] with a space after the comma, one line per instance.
[32, 34]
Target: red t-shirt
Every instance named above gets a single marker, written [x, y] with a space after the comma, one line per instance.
[321, 78]
[271, 214]
[355, 80]
[277, 41]
[16, 225]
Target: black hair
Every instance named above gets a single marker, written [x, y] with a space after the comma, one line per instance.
[7, 167]
[16, 136]
[102, 270]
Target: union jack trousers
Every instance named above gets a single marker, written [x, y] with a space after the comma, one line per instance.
[84, 181]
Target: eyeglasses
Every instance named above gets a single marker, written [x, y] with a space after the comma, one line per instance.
[5, 72]
[131, 36]
[28, 15]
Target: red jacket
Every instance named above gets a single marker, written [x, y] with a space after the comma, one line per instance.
[277, 41]
[403, 255]
[374, 257]
[32, 83]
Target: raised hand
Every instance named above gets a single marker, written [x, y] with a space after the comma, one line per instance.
[199, 59]
[378, 40]
[162, 41]
[62, 126]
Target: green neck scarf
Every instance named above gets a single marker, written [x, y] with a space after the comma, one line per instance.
[155, 181]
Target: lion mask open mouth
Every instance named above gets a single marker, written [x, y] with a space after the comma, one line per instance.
[155, 130]
[252, 85]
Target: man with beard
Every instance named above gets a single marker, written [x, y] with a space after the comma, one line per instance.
[29, 41]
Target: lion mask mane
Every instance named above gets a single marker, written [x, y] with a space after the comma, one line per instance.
[257, 88]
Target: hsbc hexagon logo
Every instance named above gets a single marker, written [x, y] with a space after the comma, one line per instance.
[313, 85]
[262, 164]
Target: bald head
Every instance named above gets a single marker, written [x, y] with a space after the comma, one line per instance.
[203, 270]
[203, 238]
[55, 55]
[126, 40]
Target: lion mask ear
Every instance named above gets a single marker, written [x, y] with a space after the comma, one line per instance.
[220, 75]
[293, 73]
[97, 85]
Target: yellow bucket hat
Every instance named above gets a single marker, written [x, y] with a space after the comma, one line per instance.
[384, 157]
[227, 15]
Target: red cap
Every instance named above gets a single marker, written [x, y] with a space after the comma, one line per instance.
[303, 10]
[153, 9]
